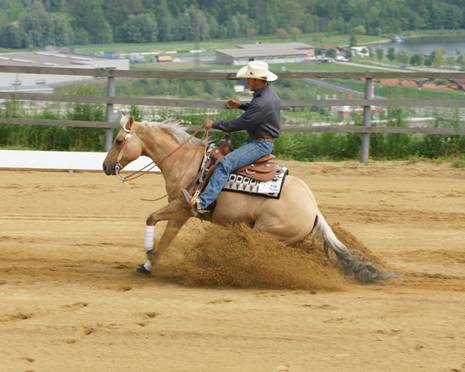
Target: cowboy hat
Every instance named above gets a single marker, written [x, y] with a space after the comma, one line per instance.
[256, 70]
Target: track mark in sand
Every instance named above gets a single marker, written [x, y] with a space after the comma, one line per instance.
[122, 288]
[321, 307]
[17, 239]
[28, 359]
[89, 330]
[75, 306]
[337, 320]
[219, 301]
[121, 267]
[14, 317]
[151, 314]
[441, 256]
[3, 282]
[147, 317]
[388, 332]
[68, 341]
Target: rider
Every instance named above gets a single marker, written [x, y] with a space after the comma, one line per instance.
[260, 120]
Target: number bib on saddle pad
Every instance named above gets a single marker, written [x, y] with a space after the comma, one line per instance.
[271, 189]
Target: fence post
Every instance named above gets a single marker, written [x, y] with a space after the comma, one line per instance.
[365, 148]
[109, 112]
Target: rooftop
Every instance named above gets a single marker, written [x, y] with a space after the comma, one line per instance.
[261, 52]
[295, 45]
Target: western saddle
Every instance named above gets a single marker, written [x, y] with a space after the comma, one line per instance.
[262, 169]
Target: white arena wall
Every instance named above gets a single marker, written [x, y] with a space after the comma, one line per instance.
[62, 160]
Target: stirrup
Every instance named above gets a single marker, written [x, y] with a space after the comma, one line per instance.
[188, 198]
[198, 210]
[192, 203]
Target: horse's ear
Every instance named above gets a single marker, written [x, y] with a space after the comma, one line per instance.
[126, 123]
[130, 122]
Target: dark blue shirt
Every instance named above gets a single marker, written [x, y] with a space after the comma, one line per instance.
[261, 117]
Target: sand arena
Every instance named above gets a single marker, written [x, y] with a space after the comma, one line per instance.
[229, 299]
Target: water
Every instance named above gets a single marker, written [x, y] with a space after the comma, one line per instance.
[426, 45]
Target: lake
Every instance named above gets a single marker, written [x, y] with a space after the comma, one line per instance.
[426, 45]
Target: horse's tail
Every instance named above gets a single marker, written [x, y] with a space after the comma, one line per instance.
[363, 271]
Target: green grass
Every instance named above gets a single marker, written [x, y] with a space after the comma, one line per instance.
[434, 33]
[318, 67]
[317, 40]
[278, 67]
[399, 92]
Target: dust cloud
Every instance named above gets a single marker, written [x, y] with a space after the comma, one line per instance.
[238, 256]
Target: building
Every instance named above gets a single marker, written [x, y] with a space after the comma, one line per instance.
[308, 49]
[240, 56]
[360, 51]
[39, 82]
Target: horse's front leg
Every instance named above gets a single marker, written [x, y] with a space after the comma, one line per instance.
[176, 215]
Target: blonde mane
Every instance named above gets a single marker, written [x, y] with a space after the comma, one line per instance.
[174, 128]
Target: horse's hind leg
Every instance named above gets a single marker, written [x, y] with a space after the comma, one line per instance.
[176, 217]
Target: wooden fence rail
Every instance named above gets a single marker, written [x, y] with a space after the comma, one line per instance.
[285, 128]
[110, 100]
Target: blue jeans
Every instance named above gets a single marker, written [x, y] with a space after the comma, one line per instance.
[244, 155]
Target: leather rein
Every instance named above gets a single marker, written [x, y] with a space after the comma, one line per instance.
[144, 170]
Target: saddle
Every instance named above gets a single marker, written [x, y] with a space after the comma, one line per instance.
[262, 169]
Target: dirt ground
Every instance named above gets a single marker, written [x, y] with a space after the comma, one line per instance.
[71, 301]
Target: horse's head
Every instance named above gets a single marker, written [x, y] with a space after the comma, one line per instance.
[126, 147]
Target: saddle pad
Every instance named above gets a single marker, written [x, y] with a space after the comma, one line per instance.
[270, 189]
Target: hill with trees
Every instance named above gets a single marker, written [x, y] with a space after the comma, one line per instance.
[36, 23]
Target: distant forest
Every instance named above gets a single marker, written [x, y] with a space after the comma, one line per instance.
[37, 23]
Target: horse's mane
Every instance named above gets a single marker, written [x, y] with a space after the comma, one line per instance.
[174, 128]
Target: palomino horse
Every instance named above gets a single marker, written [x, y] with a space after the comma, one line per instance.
[290, 219]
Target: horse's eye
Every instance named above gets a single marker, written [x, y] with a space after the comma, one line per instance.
[118, 142]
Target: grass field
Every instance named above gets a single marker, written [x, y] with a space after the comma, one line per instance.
[313, 39]
[279, 67]
[399, 92]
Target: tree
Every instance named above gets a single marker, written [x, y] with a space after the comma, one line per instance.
[117, 12]
[140, 28]
[360, 30]
[417, 60]
[165, 21]
[391, 55]
[281, 33]
[13, 36]
[438, 57]
[380, 54]
[37, 24]
[295, 33]
[192, 25]
[89, 21]
[402, 57]
[353, 40]
[331, 53]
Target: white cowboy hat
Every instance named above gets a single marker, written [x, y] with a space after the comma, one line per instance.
[256, 70]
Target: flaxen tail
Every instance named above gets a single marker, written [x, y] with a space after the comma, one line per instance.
[363, 271]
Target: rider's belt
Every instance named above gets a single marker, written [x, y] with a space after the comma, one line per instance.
[264, 139]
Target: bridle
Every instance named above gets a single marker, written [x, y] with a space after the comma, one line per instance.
[144, 170]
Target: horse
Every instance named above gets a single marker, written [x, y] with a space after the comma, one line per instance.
[290, 218]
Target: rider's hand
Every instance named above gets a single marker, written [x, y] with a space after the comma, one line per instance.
[208, 124]
[232, 103]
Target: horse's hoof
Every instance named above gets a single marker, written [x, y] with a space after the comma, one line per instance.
[142, 270]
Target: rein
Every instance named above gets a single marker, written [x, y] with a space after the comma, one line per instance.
[141, 172]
